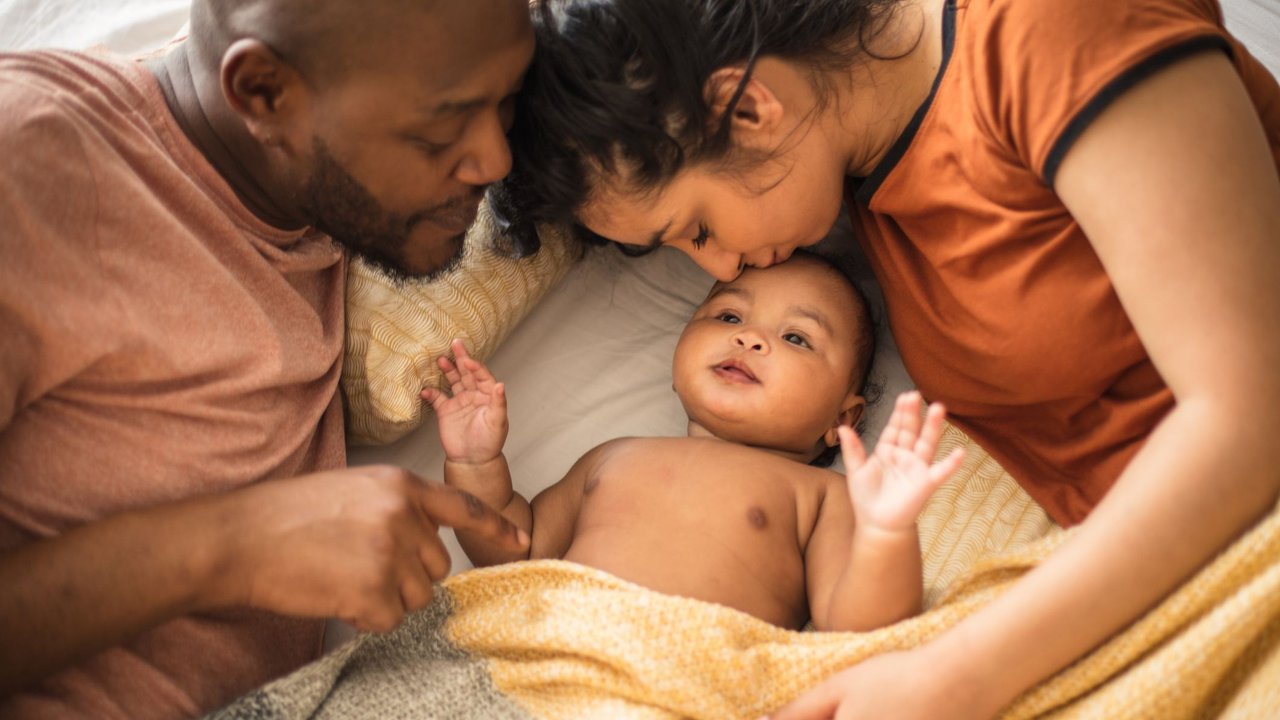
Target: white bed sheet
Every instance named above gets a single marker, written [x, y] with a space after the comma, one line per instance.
[125, 26]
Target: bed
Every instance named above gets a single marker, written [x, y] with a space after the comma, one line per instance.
[584, 344]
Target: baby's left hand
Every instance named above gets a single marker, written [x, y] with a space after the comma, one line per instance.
[472, 416]
[890, 488]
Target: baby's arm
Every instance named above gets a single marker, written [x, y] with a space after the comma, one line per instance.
[876, 579]
[473, 427]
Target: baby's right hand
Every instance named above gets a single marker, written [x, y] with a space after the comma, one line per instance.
[473, 415]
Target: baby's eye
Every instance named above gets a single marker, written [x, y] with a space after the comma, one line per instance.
[729, 317]
[796, 339]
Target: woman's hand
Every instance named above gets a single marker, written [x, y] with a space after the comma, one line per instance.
[907, 685]
[889, 489]
[473, 415]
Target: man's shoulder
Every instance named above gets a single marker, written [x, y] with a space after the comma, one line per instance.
[48, 76]
[53, 93]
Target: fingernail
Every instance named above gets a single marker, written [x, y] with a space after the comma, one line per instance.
[522, 536]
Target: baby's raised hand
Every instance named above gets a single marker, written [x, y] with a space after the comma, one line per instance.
[890, 488]
[473, 415]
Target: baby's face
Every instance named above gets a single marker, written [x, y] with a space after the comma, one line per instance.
[768, 359]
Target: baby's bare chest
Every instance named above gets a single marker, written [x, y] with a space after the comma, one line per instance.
[736, 497]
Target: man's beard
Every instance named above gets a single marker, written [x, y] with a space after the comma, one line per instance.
[340, 206]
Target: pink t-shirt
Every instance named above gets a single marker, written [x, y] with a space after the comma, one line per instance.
[157, 341]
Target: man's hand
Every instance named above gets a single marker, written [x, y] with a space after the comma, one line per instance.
[473, 415]
[889, 489]
[359, 544]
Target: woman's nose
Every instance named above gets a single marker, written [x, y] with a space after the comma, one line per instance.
[722, 265]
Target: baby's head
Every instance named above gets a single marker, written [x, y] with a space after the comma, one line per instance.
[777, 358]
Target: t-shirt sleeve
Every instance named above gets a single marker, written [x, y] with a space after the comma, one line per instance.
[53, 318]
[1052, 66]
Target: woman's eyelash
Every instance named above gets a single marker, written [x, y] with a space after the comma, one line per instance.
[701, 239]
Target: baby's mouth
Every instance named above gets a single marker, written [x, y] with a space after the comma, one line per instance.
[735, 371]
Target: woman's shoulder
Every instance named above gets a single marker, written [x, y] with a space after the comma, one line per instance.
[1030, 68]
[1035, 36]
[1045, 19]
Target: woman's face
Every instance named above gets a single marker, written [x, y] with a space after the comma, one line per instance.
[726, 222]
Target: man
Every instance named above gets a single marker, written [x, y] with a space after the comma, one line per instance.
[175, 512]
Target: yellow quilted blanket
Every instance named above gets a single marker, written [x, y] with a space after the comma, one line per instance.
[551, 639]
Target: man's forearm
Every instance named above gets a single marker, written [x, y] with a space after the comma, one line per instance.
[1192, 489]
[67, 598]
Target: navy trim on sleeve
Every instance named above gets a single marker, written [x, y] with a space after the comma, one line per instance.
[1117, 87]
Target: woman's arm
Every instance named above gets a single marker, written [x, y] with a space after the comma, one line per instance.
[1177, 189]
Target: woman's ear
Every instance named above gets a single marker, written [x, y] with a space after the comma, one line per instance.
[850, 413]
[263, 90]
[758, 111]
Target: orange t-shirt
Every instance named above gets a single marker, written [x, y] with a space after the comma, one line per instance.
[157, 341]
[995, 296]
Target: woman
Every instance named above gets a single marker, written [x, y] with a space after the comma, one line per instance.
[1073, 210]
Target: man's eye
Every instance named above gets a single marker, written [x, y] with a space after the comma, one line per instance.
[434, 142]
[729, 318]
[796, 339]
[431, 148]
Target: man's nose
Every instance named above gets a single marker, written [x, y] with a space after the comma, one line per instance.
[487, 158]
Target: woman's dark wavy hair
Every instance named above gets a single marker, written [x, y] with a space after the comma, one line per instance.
[620, 85]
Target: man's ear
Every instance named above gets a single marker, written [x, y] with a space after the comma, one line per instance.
[850, 413]
[263, 90]
[757, 113]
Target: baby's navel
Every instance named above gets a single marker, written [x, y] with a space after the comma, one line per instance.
[758, 518]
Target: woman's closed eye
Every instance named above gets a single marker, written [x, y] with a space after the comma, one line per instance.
[703, 234]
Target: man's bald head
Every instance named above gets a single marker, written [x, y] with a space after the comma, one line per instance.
[381, 121]
[315, 37]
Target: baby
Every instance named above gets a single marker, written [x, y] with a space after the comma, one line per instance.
[769, 371]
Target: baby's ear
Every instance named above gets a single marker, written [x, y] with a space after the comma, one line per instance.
[850, 413]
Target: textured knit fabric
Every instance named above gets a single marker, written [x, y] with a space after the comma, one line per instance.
[157, 342]
[551, 639]
[995, 297]
[395, 331]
